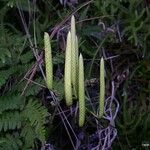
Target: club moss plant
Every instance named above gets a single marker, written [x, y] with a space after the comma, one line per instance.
[102, 88]
[74, 73]
[81, 92]
[48, 61]
[67, 75]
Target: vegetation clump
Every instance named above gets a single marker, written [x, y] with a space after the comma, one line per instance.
[49, 94]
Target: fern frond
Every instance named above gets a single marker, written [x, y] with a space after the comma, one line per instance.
[35, 113]
[27, 57]
[59, 88]
[28, 134]
[10, 120]
[10, 102]
[4, 75]
[9, 41]
[32, 89]
[10, 142]
[15, 70]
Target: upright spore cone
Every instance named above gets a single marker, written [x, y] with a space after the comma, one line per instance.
[81, 92]
[102, 88]
[48, 61]
[67, 78]
[74, 55]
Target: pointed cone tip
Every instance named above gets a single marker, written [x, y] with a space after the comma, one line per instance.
[45, 33]
[69, 33]
[80, 55]
[68, 36]
[72, 17]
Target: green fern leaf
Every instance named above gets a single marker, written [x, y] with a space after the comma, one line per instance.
[10, 102]
[35, 113]
[28, 135]
[10, 142]
[4, 75]
[27, 57]
[10, 121]
[32, 88]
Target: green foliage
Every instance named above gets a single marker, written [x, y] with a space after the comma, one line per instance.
[4, 75]
[37, 119]
[59, 88]
[10, 142]
[132, 15]
[10, 102]
[22, 118]
[25, 117]
[32, 89]
[10, 121]
[10, 43]
[133, 119]
[26, 58]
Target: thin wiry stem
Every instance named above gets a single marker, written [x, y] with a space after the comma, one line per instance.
[63, 115]
[98, 49]
[58, 26]
[34, 21]
[29, 37]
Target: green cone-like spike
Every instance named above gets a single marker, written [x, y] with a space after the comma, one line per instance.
[77, 53]
[102, 89]
[81, 92]
[48, 61]
[77, 64]
[67, 79]
[74, 56]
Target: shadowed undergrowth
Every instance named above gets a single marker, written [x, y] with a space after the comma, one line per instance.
[32, 117]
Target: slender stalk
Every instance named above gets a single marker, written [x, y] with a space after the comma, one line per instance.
[102, 89]
[67, 79]
[81, 92]
[48, 61]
